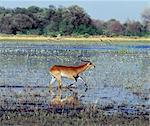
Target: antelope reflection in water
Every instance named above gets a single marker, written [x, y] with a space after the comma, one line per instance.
[72, 100]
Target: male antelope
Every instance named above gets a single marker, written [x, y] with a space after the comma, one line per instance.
[71, 72]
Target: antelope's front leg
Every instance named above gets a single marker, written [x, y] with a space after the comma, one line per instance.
[50, 87]
[83, 81]
[75, 81]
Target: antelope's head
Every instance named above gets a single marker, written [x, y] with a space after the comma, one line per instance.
[89, 63]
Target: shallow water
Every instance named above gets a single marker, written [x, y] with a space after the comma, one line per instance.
[121, 76]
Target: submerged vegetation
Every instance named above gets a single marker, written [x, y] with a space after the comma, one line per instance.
[72, 21]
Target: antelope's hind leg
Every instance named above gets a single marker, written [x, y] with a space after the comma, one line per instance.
[59, 84]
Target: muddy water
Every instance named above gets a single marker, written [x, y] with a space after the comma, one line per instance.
[120, 79]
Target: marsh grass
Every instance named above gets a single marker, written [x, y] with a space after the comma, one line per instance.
[86, 117]
[70, 38]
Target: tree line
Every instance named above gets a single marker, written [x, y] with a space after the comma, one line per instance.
[71, 20]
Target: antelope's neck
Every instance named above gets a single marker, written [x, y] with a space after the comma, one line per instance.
[81, 68]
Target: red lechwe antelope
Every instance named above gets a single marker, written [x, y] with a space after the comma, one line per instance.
[71, 72]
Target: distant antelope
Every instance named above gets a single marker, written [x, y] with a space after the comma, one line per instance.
[71, 72]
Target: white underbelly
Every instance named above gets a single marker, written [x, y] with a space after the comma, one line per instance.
[64, 75]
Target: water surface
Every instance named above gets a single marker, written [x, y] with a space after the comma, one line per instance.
[121, 76]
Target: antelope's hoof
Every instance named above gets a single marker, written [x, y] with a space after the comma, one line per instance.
[86, 87]
[72, 86]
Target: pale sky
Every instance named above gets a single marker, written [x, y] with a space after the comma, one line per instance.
[98, 9]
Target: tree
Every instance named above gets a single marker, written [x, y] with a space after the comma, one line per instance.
[99, 25]
[34, 9]
[19, 10]
[76, 21]
[2, 10]
[6, 25]
[22, 22]
[72, 20]
[146, 18]
[78, 16]
[66, 27]
[133, 28]
[51, 12]
[5, 11]
[114, 27]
